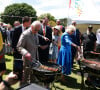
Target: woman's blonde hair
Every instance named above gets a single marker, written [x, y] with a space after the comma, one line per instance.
[59, 31]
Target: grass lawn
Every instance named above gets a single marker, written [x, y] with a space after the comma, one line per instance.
[73, 82]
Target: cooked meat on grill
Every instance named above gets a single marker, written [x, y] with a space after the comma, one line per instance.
[48, 68]
[91, 62]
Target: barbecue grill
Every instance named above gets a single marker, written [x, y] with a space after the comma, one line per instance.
[91, 65]
[47, 77]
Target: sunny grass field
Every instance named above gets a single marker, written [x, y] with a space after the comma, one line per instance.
[73, 82]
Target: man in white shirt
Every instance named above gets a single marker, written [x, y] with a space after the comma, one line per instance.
[98, 41]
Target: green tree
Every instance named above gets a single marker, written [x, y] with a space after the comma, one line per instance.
[48, 15]
[52, 23]
[21, 10]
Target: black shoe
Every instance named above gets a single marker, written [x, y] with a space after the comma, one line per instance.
[88, 83]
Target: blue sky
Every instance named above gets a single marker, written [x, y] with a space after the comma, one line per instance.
[59, 8]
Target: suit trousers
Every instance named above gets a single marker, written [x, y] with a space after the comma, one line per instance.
[43, 55]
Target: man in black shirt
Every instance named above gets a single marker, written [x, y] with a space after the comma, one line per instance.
[89, 41]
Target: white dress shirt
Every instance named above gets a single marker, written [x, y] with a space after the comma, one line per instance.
[23, 28]
[98, 36]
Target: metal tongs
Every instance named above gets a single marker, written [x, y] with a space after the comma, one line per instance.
[35, 63]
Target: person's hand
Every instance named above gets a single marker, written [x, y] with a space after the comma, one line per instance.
[94, 49]
[46, 39]
[12, 78]
[92, 52]
[28, 56]
[8, 44]
[44, 47]
[54, 42]
[3, 43]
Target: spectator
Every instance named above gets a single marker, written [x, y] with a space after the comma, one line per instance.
[9, 41]
[1, 25]
[65, 54]
[47, 32]
[75, 39]
[26, 21]
[53, 52]
[89, 44]
[89, 41]
[62, 30]
[16, 23]
[61, 27]
[98, 41]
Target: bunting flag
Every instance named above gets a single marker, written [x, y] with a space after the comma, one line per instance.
[76, 5]
[69, 3]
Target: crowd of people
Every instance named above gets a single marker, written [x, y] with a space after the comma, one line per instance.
[40, 42]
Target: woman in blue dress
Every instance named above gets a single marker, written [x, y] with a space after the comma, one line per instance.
[65, 54]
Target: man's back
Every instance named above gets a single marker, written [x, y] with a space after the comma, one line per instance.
[16, 35]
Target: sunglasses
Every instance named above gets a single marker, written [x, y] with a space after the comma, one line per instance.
[72, 31]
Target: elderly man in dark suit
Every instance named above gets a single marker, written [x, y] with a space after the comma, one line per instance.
[47, 32]
[28, 46]
[26, 22]
[76, 39]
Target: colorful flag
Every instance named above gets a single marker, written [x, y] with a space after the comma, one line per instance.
[76, 6]
[69, 3]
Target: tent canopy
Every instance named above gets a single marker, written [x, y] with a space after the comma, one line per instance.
[87, 21]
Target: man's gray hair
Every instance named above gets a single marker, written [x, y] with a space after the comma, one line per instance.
[35, 23]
